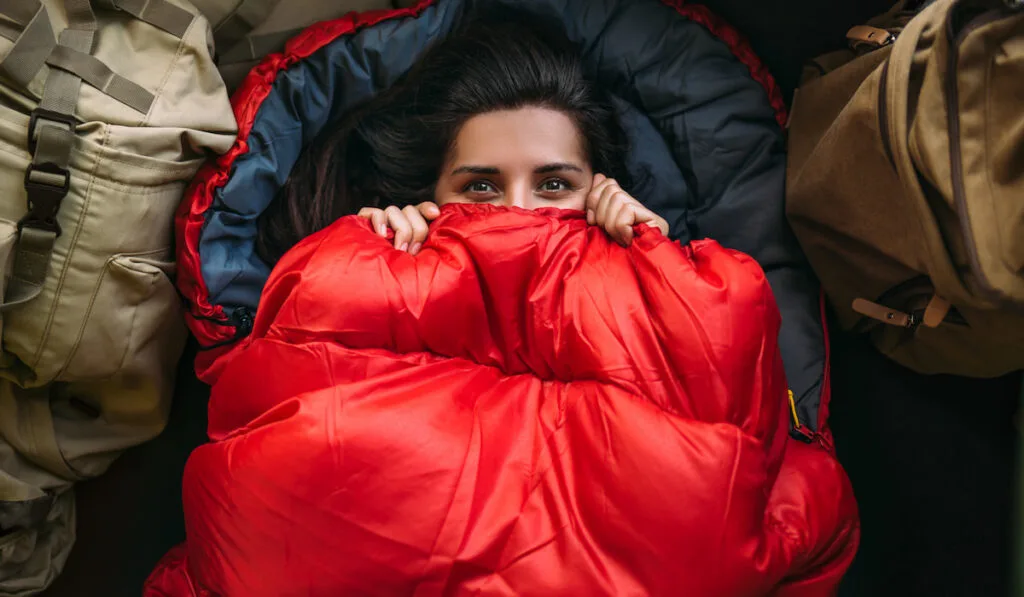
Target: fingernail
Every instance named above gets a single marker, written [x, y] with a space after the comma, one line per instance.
[415, 248]
[382, 230]
[404, 247]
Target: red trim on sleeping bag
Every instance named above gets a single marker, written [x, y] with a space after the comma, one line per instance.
[207, 321]
[740, 48]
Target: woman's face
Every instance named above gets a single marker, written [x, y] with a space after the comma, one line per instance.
[528, 158]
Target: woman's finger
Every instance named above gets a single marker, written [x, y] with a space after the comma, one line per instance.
[419, 228]
[377, 219]
[400, 224]
[646, 216]
[606, 202]
[619, 218]
[623, 223]
[594, 197]
[429, 210]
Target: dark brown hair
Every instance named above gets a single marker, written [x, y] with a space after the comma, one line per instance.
[391, 150]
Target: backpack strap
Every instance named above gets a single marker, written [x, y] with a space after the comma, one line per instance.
[51, 131]
[89, 69]
[51, 135]
[33, 42]
[158, 13]
[254, 47]
[246, 16]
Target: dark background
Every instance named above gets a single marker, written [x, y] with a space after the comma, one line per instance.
[931, 458]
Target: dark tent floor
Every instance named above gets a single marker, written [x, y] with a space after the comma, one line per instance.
[931, 458]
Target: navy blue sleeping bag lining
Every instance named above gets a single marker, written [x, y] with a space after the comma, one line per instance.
[699, 124]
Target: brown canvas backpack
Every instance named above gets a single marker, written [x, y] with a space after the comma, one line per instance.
[905, 183]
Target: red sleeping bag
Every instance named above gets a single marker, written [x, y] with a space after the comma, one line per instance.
[524, 408]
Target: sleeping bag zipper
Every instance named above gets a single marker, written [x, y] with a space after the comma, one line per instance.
[799, 432]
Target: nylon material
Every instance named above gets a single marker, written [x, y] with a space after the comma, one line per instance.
[138, 208]
[79, 14]
[656, 410]
[132, 157]
[9, 31]
[253, 12]
[20, 479]
[19, 11]
[727, 148]
[31, 559]
[180, 73]
[161, 14]
[298, 15]
[240, 274]
[96, 73]
[25, 58]
[53, 145]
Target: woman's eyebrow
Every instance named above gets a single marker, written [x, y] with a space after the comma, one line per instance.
[557, 167]
[491, 170]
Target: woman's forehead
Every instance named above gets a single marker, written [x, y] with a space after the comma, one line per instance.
[527, 137]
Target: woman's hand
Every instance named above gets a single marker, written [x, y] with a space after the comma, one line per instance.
[409, 223]
[613, 209]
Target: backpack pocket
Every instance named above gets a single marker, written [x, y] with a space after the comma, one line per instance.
[134, 299]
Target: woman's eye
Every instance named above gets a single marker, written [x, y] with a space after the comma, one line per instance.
[555, 185]
[479, 186]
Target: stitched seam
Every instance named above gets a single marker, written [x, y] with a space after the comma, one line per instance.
[67, 260]
[92, 302]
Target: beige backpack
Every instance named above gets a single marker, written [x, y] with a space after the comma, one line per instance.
[247, 30]
[905, 184]
[107, 109]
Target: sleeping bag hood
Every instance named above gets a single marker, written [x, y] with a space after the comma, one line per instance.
[703, 115]
[523, 408]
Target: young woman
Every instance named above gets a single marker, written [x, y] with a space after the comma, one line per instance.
[498, 113]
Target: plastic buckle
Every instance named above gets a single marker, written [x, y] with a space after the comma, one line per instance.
[44, 199]
[50, 116]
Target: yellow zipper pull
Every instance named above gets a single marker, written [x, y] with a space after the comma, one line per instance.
[792, 409]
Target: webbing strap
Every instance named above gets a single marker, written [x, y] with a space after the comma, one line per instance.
[92, 71]
[11, 31]
[31, 261]
[80, 15]
[29, 52]
[19, 11]
[47, 179]
[158, 13]
[246, 16]
[255, 47]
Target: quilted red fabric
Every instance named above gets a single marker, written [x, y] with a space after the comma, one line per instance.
[524, 408]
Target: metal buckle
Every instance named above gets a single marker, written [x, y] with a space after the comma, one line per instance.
[44, 199]
[48, 115]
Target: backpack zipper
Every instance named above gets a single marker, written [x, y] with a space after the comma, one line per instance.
[883, 113]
